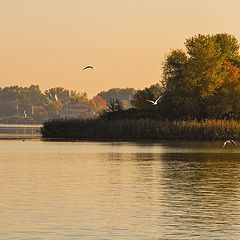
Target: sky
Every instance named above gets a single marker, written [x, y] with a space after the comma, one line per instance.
[48, 42]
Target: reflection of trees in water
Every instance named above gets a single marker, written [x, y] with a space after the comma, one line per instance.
[140, 168]
[180, 192]
[202, 189]
[137, 175]
[215, 171]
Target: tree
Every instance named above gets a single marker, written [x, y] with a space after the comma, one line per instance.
[226, 102]
[194, 79]
[176, 98]
[58, 94]
[115, 105]
[204, 67]
[98, 103]
[117, 93]
[229, 46]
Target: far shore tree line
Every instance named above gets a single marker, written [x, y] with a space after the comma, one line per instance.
[31, 105]
[201, 81]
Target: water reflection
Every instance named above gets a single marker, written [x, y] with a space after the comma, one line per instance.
[10, 131]
[191, 194]
[85, 190]
[203, 193]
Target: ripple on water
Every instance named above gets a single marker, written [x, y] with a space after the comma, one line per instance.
[118, 190]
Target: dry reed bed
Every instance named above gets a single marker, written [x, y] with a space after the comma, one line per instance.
[94, 129]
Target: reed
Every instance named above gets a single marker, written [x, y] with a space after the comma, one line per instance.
[100, 129]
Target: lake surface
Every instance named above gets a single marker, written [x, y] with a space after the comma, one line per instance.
[104, 190]
[17, 131]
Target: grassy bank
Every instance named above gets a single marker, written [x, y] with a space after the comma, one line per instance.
[96, 129]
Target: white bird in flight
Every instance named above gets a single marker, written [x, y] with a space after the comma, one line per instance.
[153, 102]
[90, 67]
[230, 142]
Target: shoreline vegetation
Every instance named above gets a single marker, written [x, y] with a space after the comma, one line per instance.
[197, 98]
[141, 129]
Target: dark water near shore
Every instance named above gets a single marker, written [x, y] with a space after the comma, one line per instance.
[86, 190]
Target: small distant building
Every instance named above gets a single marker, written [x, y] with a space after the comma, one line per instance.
[76, 109]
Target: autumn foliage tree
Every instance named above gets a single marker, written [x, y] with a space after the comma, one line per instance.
[203, 82]
[226, 102]
[98, 104]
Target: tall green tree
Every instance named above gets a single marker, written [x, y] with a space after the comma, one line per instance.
[229, 46]
[194, 79]
[176, 98]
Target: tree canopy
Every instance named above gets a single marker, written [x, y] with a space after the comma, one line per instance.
[204, 80]
[29, 104]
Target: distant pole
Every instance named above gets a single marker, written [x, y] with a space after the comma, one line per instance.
[32, 109]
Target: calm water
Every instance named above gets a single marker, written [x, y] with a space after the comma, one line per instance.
[85, 190]
[9, 131]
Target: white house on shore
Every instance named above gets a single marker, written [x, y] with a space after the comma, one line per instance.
[76, 109]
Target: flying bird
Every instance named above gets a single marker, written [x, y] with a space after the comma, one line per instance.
[24, 113]
[90, 67]
[230, 142]
[153, 102]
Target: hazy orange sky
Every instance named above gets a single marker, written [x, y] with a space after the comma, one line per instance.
[48, 42]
